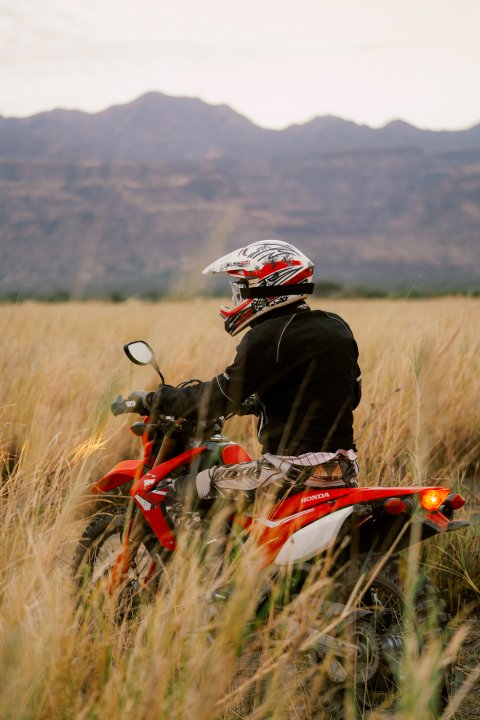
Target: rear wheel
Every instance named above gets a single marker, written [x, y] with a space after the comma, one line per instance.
[371, 682]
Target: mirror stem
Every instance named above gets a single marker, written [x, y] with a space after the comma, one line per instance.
[155, 366]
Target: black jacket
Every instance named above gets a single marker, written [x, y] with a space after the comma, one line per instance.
[302, 364]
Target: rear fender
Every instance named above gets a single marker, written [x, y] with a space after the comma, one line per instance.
[389, 533]
[291, 528]
[436, 522]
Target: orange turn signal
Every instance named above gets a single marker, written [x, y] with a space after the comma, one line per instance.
[433, 498]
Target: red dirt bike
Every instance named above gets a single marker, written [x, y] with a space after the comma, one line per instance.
[126, 548]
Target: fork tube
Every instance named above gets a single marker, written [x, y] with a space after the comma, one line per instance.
[134, 527]
[128, 517]
[133, 533]
[133, 530]
[166, 450]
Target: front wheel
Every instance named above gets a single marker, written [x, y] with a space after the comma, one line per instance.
[95, 558]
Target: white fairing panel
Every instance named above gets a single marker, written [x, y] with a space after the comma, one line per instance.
[313, 539]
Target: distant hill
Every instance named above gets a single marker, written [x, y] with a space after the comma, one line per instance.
[157, 127]
[131, 197]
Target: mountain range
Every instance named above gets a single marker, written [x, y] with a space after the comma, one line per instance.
[140, 196]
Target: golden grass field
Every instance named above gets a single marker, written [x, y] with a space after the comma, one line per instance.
[61, 365]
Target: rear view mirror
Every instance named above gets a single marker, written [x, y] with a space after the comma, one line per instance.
[139, 352]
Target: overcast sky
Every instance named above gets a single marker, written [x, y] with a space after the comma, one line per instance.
[276, 61]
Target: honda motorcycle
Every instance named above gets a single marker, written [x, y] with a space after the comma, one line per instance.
[126, 548]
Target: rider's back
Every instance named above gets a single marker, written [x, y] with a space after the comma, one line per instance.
[303, 366]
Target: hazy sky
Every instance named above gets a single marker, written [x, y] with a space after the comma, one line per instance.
[276, 61]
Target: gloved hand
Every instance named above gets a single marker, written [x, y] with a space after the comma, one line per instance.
[250, 406]
[118, 406]
[142, 400]
[156, 398]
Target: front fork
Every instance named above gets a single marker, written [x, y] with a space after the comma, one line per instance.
[133, 533]
[135, 526]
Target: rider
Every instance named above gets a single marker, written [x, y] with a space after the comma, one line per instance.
[299, 364]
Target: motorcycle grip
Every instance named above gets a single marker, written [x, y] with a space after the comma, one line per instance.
[119, 406]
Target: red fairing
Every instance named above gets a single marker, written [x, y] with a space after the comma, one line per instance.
[289, 515]
[156, 519]
[233, 454]
[338, 498]
[150, 500]
[277, 532]
[148, 481]
[122, 473]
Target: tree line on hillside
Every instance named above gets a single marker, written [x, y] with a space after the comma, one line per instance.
[323, 289]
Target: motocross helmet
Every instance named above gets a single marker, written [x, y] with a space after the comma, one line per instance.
[265, 275]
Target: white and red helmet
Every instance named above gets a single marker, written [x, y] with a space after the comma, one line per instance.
[268, 274]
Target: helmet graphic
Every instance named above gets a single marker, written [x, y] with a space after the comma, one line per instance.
[267, 275]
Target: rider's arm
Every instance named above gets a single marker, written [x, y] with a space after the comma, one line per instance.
[357, 390]
[225, 392]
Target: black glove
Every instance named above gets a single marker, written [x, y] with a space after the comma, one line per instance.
[159, 398]
[250, 406]
[137, 402]
[140, 398]
[118, 406]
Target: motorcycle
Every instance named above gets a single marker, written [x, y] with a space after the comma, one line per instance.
[362, 530]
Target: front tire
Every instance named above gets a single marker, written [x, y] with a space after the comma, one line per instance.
[94, 560]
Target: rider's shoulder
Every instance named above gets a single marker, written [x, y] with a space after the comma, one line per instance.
[331, 318]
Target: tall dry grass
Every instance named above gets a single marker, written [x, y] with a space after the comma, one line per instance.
[60, 367]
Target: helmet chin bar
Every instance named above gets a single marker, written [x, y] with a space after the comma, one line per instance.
[277, 290]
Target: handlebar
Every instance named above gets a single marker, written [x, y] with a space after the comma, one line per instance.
[136, 404]
[166, 424]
